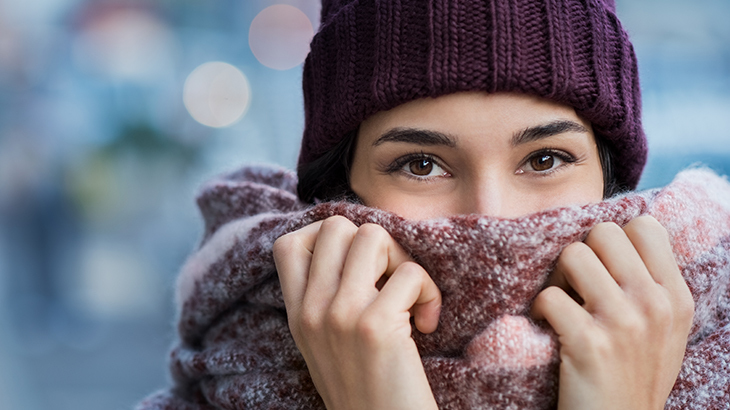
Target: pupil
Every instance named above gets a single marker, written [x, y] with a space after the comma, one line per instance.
[543, 162]
[421, 167]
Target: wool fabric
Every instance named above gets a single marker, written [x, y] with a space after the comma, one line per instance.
[234, 349]
[373, 55]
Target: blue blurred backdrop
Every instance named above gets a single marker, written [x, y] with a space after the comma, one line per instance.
[112, 112]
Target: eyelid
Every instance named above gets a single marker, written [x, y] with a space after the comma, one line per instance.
[566, 157]
[400, 162]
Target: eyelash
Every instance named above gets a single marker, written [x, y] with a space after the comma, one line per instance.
[565, 157]
[399, 163]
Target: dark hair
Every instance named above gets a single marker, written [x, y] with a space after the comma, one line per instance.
[611, 187]
[328, 177]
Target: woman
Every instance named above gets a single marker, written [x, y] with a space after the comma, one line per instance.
[497, 154]
[459, 129]
[503, 155]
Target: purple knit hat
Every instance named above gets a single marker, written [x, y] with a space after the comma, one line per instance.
[373, 55]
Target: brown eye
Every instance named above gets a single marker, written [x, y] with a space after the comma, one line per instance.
[421, 167]
[542, 162]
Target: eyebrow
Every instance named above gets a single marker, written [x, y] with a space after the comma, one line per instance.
[539, 132]
[416, 136]
[429, 137]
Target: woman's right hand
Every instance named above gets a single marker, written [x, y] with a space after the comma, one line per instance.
[356, 338]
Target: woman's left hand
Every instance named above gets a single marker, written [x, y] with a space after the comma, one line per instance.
[623, 340]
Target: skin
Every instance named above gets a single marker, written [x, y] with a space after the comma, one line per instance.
[485, 171]
[622, 332]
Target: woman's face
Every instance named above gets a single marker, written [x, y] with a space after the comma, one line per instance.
[503, 155]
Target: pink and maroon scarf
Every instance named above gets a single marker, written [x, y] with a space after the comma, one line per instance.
[234, 350]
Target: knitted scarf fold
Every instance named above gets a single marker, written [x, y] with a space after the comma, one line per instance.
[235, 351]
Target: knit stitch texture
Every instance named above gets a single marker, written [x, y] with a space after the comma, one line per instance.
[235, 351]
[373, 55]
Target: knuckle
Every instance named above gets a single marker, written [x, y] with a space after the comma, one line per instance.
[608, 227]
[686, 307]
[604, 229]
[667, 310]
[373, 232]
[593, 344]
[596, 345]
[662, 312]
[296, 327]
[337, 223]
[284, 243]
[338, 320]
[309, 322]
[547, 300]
[601, 347]
[296, 334]
[647, 225]
[369, 329]
[632, 325]
[647, 222]
[577, 251]
[547, 295]
[411, 270]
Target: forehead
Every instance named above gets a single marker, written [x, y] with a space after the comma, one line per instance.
[469, 113]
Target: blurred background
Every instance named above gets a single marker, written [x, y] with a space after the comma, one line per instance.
[113, 112]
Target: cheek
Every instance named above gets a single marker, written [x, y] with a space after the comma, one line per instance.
[591, 186]
[574, 195]
[585, 187]
[408, 205]
[581, 185]
[393, 195]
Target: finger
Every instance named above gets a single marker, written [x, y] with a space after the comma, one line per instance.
[373, 253]
[410, 288]
[292, 257]
[584, 272]
[561, 312]
[330, 251]
[651, 242]
[612, 246]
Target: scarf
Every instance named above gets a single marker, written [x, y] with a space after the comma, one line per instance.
[234, 349]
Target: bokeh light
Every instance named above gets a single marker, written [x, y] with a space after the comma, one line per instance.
[125, 44]
[279, 36]
[217, 94]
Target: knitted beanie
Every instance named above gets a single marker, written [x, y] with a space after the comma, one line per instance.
[373, 55]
